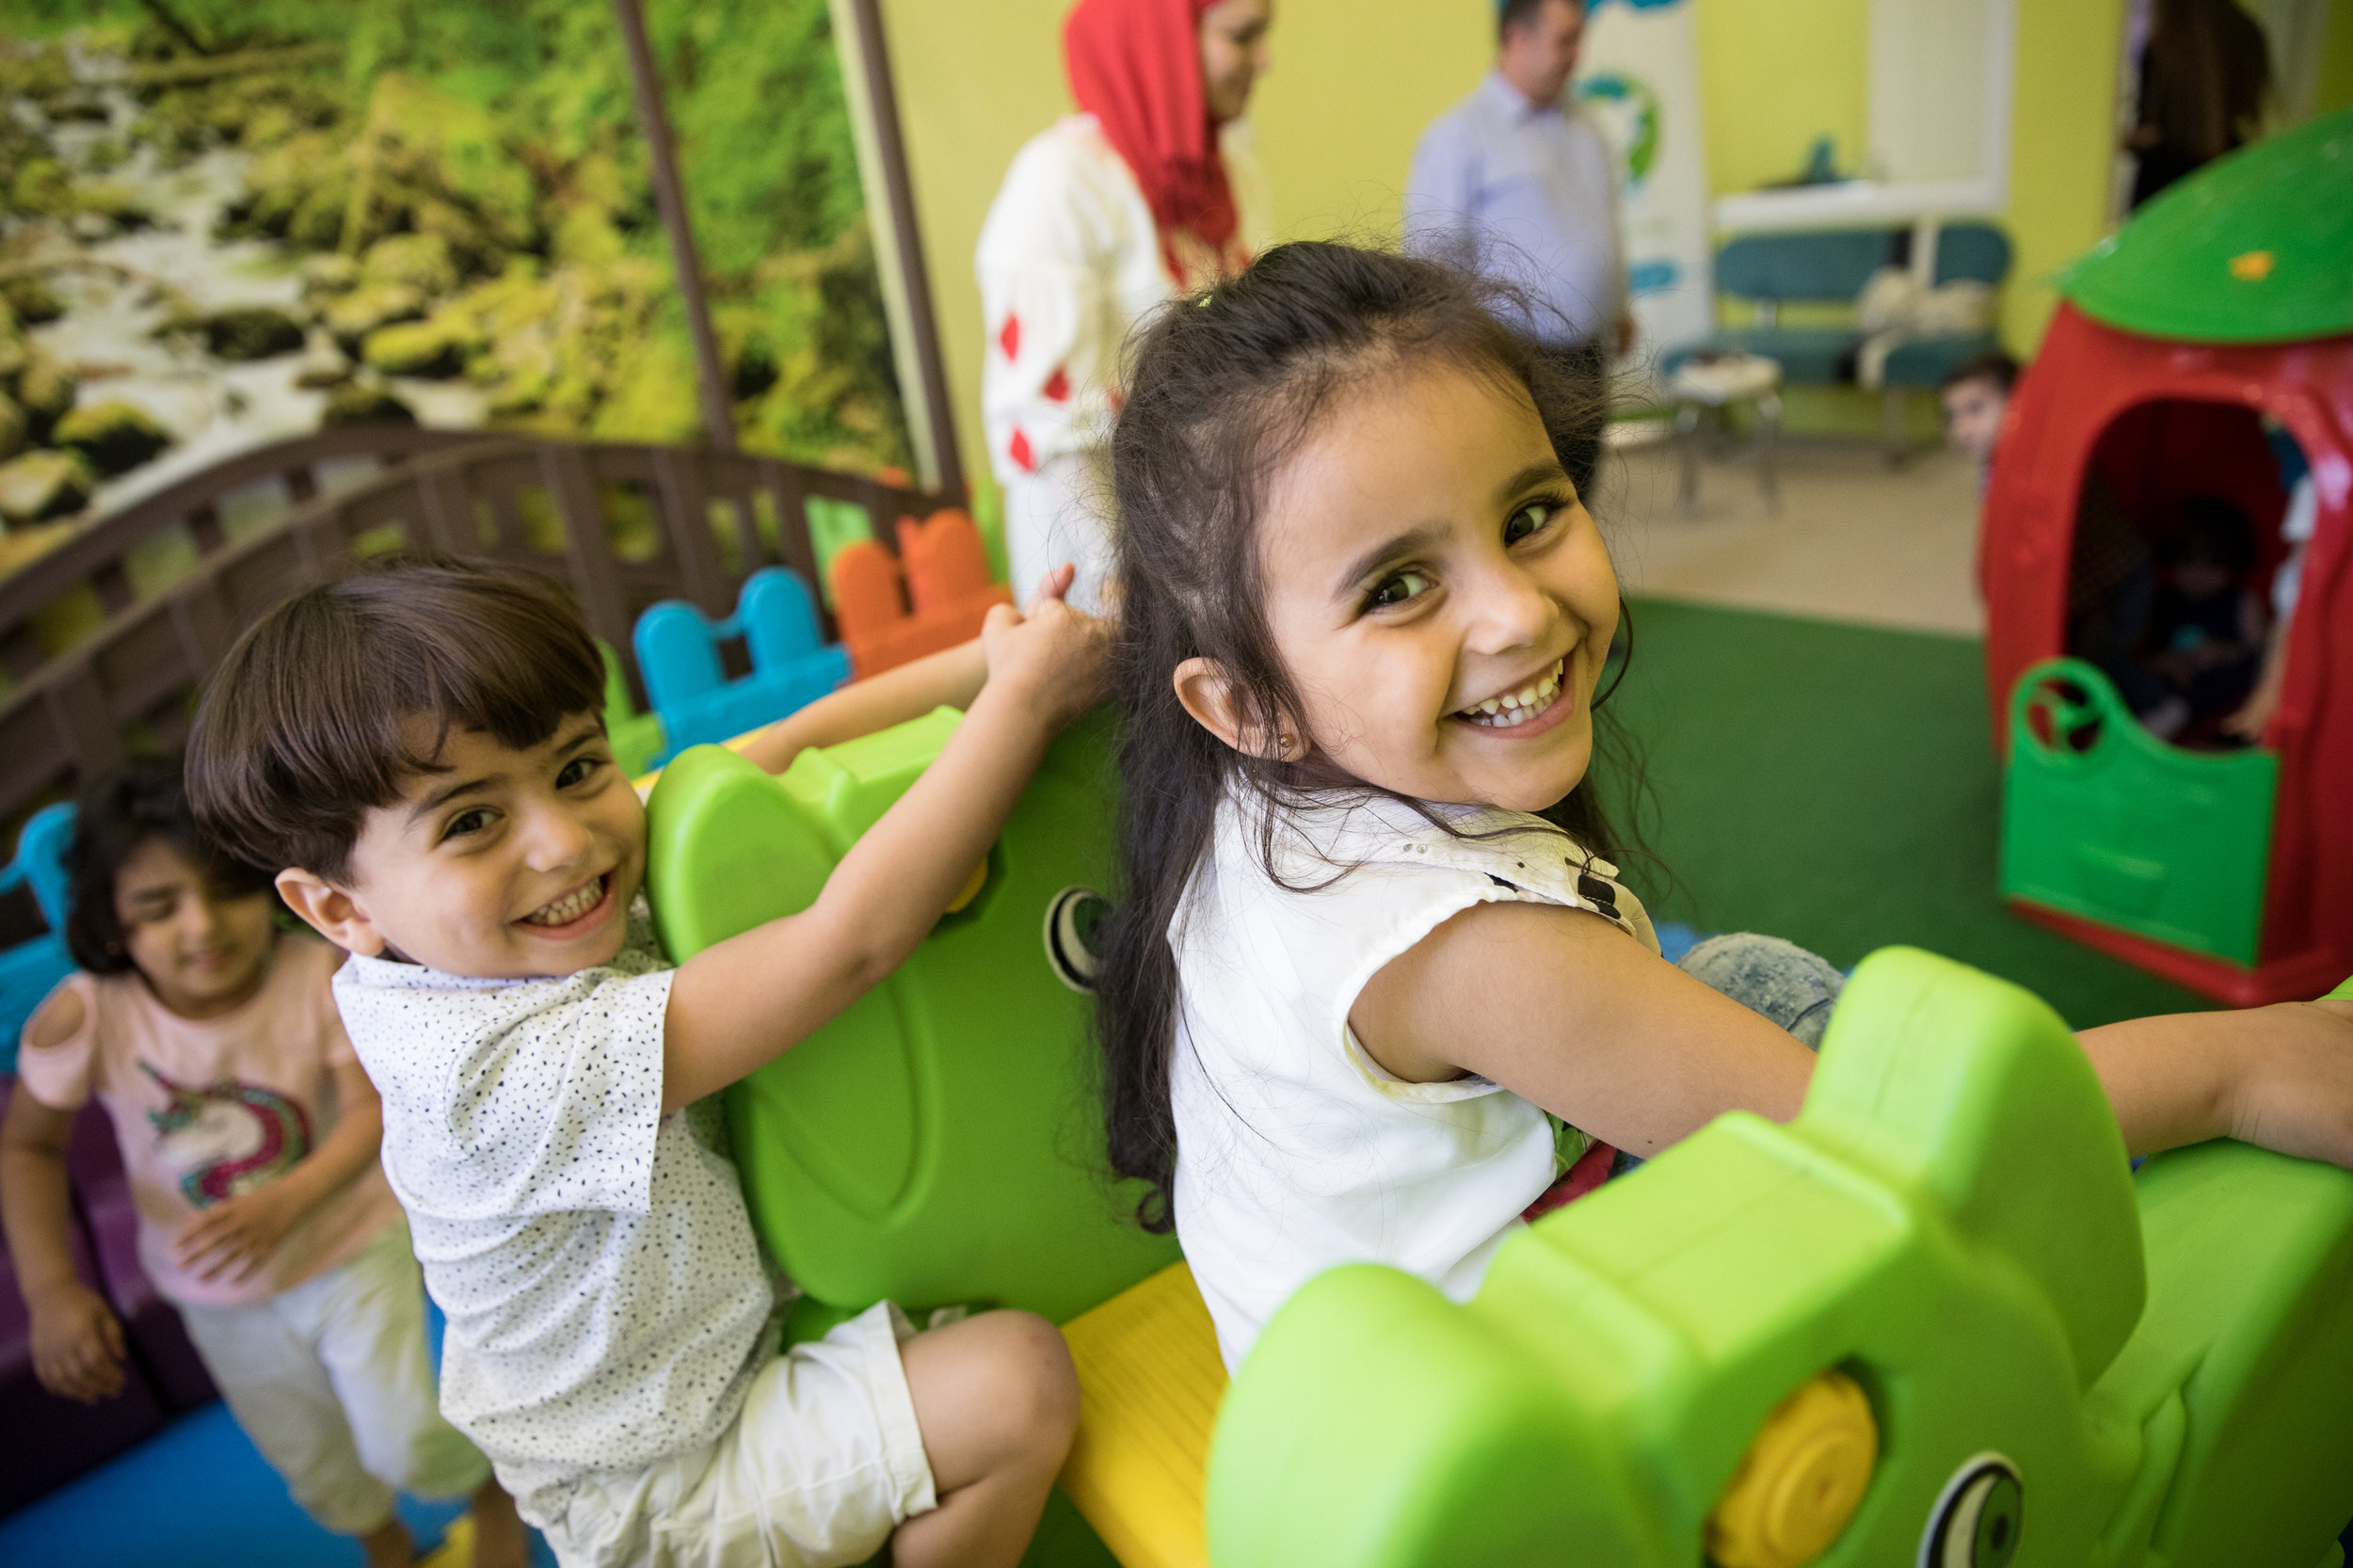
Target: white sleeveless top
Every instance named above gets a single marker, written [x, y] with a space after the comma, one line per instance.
[1296, 1151]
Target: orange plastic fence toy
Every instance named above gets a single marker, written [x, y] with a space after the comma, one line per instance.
[942, 566]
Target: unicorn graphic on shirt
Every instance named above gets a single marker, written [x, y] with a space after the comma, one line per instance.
[227, 1138]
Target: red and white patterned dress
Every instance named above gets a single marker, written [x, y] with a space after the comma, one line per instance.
[1069, 261]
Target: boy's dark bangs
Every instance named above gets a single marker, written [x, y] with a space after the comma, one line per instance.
[485, 678]
[374, 673]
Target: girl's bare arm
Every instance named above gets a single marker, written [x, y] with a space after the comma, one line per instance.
[2279, 1077]
[1565, 1009]
[78, 1343]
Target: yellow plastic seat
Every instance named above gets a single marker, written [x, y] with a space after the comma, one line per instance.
[1150, 1380]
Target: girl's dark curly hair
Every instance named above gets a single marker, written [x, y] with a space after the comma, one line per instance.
[145, 799]
[1222, 387]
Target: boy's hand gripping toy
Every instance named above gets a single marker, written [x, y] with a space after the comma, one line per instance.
[1933, 1321]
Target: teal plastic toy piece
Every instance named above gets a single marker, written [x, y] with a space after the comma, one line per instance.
[678, 653]
[32, 969]
[2064, 1366]
[936, 1143]
[2103, 820]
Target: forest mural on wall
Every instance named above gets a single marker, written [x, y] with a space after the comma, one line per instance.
[230, 222]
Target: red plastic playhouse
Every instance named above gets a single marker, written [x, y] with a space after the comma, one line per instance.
[2227, 300]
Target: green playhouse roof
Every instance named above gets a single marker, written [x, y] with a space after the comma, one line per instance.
[2257, 246]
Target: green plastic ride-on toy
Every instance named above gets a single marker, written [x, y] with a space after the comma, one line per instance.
[934, 1143]
[1935, 1320]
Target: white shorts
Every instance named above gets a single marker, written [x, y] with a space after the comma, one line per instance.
[823, 1461]
[331, 1382]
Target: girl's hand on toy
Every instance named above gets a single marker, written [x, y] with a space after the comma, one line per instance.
[1051, 661]
[78, 1343]
[2296, 1092]
[237, 1235]
[2279, 1077]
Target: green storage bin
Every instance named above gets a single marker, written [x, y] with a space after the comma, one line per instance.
[2105, 822]
[937, 1144]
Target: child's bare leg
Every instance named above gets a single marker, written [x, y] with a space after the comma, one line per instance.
[996, 1400]
[390, 1544]
[500, 1540]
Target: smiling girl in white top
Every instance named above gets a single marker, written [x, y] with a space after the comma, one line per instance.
[1371, 994]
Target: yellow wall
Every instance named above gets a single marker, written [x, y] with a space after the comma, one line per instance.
[2062, 143]
[1355, 81]
[1774, 75]
[2333, 88]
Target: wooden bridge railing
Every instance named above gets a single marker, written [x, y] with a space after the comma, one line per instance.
[98, 558]
[624, 525]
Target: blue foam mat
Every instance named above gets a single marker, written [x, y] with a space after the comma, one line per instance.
[199, 1495]
[196, 1495]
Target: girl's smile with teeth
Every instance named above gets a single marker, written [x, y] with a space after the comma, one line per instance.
[1517, 707]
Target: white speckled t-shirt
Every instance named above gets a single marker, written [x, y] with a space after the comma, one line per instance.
[605, 1298]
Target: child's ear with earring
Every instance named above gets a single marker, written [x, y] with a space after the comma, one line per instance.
[1217, 705]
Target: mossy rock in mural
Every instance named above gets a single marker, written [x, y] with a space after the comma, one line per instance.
[251, 332]
[119, 205]
[297, 191]
[360, 403]
[349, 319]
[40, 188]
[422, 262]
[424, 163]
[43, 484]
[326, 275]
[113, 437]
[45, 391]
[14, 427]
[16, 356]
[414, 348]
[31, 299]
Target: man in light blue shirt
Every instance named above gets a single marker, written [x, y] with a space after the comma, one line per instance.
[1525, 187]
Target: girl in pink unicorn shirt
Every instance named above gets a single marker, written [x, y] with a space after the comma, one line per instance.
[250, 1136]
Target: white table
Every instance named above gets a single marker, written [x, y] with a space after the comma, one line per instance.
[1701, 390]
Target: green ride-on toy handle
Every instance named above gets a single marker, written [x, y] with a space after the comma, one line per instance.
[1935, 1320]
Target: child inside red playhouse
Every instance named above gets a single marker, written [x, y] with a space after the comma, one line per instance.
[2222, 306]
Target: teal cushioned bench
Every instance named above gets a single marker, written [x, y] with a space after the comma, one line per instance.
[1831, 269]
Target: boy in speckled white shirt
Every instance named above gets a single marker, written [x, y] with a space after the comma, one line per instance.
[421, 749]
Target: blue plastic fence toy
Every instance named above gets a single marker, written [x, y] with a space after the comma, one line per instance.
[31, 970]
[678, 653]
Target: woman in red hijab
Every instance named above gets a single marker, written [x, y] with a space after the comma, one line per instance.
[1148, 191]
